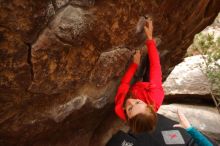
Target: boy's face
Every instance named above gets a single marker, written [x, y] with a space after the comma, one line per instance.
[134, 107]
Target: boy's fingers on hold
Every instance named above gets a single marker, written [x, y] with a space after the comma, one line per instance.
[150, 18]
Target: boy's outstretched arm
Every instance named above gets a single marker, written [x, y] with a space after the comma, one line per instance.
[125, 85]
[155, 77]
[155, 67]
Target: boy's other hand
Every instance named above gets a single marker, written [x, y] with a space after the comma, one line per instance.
[137, 57]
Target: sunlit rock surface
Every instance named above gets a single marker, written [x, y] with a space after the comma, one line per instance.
[61, 61]
[188, 78]
[188, 81]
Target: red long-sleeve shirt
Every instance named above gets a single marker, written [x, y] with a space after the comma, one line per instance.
[150, 92]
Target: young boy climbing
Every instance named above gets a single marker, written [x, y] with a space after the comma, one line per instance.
[138, 105]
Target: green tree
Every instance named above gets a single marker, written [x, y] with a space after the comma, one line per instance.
[209, 47]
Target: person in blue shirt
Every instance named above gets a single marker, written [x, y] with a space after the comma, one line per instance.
[199, 138]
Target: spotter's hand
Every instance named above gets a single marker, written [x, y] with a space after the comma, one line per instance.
[184, 123]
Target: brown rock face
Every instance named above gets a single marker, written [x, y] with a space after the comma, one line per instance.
[61, 61]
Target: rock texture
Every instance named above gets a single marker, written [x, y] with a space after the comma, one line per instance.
[188, 79]
[61, 61]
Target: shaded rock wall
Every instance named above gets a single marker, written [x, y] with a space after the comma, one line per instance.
[61, 61]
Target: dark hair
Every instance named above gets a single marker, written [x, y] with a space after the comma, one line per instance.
[143, 122]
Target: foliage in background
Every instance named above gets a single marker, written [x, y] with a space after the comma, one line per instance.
[209, 46]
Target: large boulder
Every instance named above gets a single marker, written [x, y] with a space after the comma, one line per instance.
[61, 61]
[188, 79]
